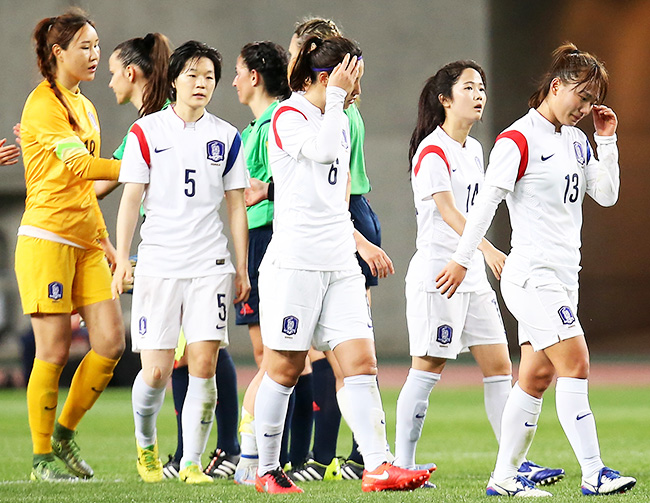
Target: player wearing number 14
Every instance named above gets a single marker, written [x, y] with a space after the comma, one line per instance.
[183, 160]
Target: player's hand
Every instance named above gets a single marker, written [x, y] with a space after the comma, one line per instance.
[495, 259]
[8, 153]
[242, 287]
[345, 74]
[605, 120]
[257, 192]
[17, 133]
[450, 278]
[122, 276]
[377, 259]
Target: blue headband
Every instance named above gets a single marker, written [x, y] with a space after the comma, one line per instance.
[330, 68]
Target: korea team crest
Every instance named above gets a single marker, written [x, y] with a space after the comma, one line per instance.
[290, 326]
[444, 335]
[580, 156]
[216, 150]
[566, 315]
[142, 326]
[55, 290]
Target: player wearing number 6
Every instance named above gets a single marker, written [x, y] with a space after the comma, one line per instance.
[543, 166]
[183, 160]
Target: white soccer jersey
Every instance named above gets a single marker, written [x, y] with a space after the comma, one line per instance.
[312, 229]
[186, 168]
[441, 164]
[546, 175]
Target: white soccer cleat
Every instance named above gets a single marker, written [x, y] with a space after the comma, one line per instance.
[518, 486]
[606, 481]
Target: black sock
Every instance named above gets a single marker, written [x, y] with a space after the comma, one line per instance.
[302, 421]
[227, 410]
[180, 381]
[327, 416]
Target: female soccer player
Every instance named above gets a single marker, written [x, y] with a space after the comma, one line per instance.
[311, 287]
[543, 165]
[62, 242]
[446, 175]
[183, 160]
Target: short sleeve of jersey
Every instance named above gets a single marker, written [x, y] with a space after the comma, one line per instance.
[431, 177]
[235, 175]
[135, 168]
[289, 130]
[504, 165]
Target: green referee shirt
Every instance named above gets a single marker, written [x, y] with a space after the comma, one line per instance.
[256, 152]
[358, 176]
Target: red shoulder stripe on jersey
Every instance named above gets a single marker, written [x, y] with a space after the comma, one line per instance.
[142, 140]
[522, 145]
[431, 149]
[281, 110]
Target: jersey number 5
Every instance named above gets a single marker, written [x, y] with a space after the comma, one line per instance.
[191, 190]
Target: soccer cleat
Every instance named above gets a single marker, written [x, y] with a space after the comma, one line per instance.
[351, 470]
[192, 474]
[540, 475]
[149, 466]
[222, 465]
[518, 486]
[313, 470]
[607, 481]
[428, 485]
[431, 467]
[48, 471]
[276, 482]
[67, 451]
[246, 471]
[171, 468]
[387, 477]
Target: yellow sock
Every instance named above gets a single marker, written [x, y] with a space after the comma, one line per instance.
[90, 379]
[42, 396]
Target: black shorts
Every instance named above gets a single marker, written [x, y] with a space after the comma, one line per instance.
[366, 222]
[248, 313]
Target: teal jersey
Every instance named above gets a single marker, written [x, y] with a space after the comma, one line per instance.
[119, 151]
[358, 176]
[256, 140]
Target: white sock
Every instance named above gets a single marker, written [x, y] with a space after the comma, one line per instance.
[412, 407]
[518, 426]
[247, 435]
[366, 418]
[578, 423]
[271, 404]
[198, 416]
[495, 394]
[146, 402]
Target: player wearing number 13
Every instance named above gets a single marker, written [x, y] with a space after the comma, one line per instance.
[183, 160]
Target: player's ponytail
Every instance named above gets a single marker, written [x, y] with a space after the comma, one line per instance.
[318, 55]
[573, 66]
[270, 61]
[431, 113]
[59, 30]
[151, 55]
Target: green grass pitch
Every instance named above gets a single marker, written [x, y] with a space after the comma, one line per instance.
[456, 436]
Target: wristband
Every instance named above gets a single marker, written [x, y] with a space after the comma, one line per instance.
[271, 191]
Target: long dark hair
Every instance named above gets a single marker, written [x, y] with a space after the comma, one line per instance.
[189, 51]
[431, 113]
[572, 66]
[318, 55]
[58, 30]
[151, 54]
[269, 60]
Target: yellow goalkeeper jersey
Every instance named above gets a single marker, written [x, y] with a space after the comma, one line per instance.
[61, 164]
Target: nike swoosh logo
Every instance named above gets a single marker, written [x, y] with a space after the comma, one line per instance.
[419, 416]
[528, 425]
[579, 417]
[50, 408]
[206, 422]
[383, 476]
[96, 390]
[221, 327]
[547, 157]
[158, 150]
[269, 435]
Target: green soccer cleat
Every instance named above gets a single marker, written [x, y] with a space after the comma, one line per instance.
[67, 451]
[47, 470]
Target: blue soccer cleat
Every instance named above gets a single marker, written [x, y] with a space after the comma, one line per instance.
[540, 475]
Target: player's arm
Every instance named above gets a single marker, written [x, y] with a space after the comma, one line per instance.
[239, 230]
[446, 205]
[127, 219]
[603, 175]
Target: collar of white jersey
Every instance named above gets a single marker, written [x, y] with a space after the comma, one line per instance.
[181, 123]
[541, 122]
[312, 108]
[448, 140]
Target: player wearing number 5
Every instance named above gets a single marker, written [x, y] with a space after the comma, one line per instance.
[183, 160]
[543, 166]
